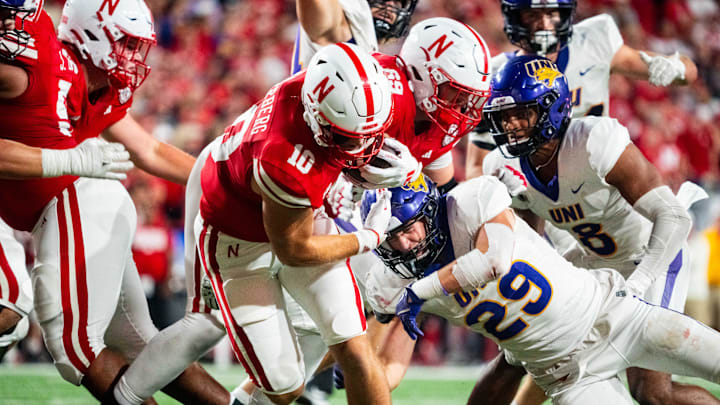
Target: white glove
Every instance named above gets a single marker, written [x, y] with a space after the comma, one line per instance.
[342, 198]
[376, 223]
[516, 184]
[94, 157]
[404, 168]
[663, 70]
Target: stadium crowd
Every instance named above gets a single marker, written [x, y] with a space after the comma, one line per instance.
[215, 58]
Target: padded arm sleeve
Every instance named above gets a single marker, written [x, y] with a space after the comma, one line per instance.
[475, 268]
[671, 227]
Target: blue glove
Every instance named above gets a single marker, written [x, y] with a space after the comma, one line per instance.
[338, 377]
[407, 310]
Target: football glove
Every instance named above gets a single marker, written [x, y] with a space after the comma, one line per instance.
[94, 157]
[516, 184]
[663, 70]
[342, 199]
[402, 168]
[376, 223]
[407, 310]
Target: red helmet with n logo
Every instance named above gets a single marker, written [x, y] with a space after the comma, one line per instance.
[347, 102]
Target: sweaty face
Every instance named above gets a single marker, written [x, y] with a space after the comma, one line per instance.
[405, 240]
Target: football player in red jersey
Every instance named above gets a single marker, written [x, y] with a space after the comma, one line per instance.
[94, 158]
[84, 227]
[259, 228]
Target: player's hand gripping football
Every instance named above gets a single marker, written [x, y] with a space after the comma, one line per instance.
[402, 168]
[376, 223]
[407, 310]
[516, 184]
[342, 198]
[663, 70]
[94, 157]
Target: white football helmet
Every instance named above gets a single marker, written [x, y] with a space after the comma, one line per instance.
[115, 36]
[347, 102]
[448, 64]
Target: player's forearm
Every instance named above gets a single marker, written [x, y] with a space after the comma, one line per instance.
[315, 250]
[19, 161]
[320, 19]
[167, 162]
[474, 160]
[691, 72]
[671, 226]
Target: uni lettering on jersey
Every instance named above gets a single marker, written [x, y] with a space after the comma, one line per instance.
[264, 112]
[567, 214]
[441, 46]
[464, 298]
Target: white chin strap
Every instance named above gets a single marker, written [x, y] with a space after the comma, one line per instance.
[546, 40]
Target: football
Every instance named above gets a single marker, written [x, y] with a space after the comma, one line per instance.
[355, 175]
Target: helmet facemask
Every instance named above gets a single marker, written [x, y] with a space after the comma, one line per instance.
[414, 262]
[352, 150]
[526, 140]
[130, 54]
[14, 40]
[455, 108]
[390, 20]
[541, 42]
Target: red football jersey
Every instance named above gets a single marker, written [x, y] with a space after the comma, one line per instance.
[427, 142]
[272, 144]
[39, 117]
[106, 108]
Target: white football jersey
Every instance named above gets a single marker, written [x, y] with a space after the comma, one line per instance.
[580, 201]
[539, 311]
[359, 17]
[586, 64]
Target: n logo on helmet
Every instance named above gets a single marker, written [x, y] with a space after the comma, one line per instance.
[111, 6]
[321, 90]
[441, 46]
[543, 71]
[417, 185]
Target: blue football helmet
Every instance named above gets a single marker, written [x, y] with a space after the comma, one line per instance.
[400, 26]
[417, 201]
[540, 42]
[15, 40]
[528, 84]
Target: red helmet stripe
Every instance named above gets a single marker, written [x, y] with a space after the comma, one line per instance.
[486, 53]
[370, 104]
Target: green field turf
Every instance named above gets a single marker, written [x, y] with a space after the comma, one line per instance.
[40, 384]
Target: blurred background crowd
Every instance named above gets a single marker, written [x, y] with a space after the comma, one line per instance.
[215, 58]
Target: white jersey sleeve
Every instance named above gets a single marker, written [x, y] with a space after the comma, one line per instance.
[606, 142]
[359, 18]
[475, 201]
[604, 35]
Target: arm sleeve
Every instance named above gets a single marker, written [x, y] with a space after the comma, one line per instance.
[671, 227]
